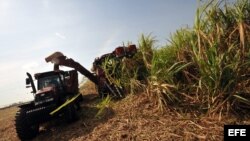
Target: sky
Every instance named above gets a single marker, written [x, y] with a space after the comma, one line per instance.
[30, 30]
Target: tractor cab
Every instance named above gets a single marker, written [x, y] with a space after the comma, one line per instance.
[51, 79]
[53, 86]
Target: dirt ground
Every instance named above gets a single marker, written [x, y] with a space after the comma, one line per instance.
[131, 119]
[7, 130]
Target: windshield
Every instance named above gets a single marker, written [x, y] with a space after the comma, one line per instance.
[49, 81]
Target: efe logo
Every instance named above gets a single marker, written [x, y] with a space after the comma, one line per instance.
[241, 132]
[236, 132]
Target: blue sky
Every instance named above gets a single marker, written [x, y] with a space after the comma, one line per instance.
[30, 30]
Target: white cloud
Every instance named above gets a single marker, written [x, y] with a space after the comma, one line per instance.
[5, 15]
[4, 7]
[30, 67]
[45, 3]
[7, 71]
[110, 43]
[12, 88]
[44, 43]
[60, 35]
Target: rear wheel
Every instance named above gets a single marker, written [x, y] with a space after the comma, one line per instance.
[25, 127]
[71, 113]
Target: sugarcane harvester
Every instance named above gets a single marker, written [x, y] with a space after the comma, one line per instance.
[98, 77]
[106, 86]
[57, 93]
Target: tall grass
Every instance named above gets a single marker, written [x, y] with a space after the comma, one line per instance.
[205, 67]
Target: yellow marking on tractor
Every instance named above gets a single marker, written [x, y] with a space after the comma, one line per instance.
[64, 104]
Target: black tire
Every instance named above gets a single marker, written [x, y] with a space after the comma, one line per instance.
[70, 113]
[25, 128]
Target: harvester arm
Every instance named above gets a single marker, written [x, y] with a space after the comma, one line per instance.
[58, 59]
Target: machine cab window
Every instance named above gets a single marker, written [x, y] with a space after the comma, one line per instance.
[53, 80]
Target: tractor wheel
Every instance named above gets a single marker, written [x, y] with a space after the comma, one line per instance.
[25, 128]
[70, 113]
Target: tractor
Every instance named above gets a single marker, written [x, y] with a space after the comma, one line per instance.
[56, 92]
